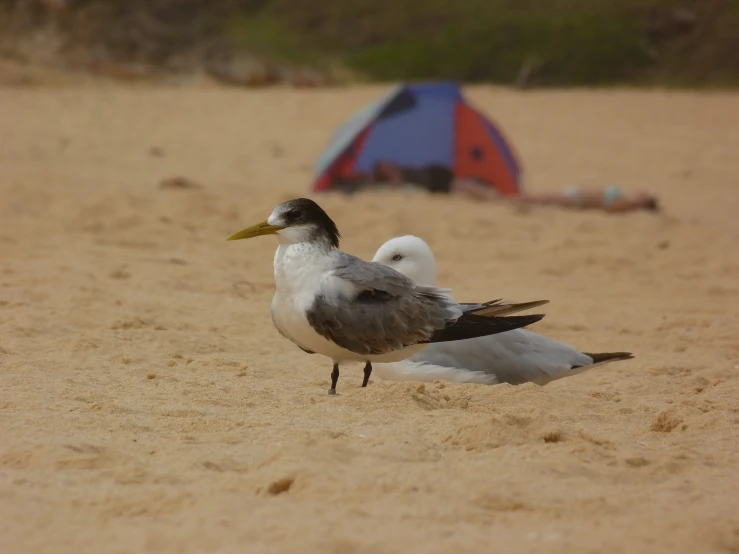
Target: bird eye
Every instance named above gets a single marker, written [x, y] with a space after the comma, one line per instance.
[397, 258]
[293, 214]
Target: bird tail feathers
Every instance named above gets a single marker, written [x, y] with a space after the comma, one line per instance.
[498, 308]
[609, 356]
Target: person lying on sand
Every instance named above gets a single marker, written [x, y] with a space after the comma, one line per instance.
[610, 199]
[439, 179]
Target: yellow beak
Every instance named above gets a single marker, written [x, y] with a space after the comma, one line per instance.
[257, 230]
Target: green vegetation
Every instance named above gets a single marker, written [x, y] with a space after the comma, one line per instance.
[549, 42]
[266, 34]
[532, 42]
[571, 48]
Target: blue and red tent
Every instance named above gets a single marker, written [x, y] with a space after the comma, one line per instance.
[418, 125]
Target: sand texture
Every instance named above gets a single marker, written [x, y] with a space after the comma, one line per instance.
[147, 404]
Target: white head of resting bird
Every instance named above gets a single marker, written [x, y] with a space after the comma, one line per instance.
[347, 309]
[515, 357]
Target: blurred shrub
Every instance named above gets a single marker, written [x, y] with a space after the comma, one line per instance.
[570, 48]
[532, 42]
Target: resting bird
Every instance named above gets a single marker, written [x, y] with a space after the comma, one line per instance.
[515, 357]
[347, 309]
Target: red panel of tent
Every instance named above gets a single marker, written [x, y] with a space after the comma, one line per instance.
[417, 125]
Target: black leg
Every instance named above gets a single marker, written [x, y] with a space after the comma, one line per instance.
[367, 373]
[334, 379]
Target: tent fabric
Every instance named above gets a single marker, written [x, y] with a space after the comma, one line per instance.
[417, 126]
[349, 131]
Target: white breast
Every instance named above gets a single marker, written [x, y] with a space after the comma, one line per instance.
[299, 273]
[297, 280]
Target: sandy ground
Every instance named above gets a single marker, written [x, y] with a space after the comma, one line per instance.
[148, 405]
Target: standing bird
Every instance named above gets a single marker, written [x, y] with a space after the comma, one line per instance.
[514, 357]
[335, 304]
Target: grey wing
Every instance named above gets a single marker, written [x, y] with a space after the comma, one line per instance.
[372, 275]
[385, 311]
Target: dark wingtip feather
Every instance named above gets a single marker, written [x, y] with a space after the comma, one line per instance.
[471, 326]
[528, 319]
[609, 356]
[496, 309]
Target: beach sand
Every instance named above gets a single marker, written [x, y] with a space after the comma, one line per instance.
[147, 404]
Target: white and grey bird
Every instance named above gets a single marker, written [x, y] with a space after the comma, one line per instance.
[515, 357]
[347, 309]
